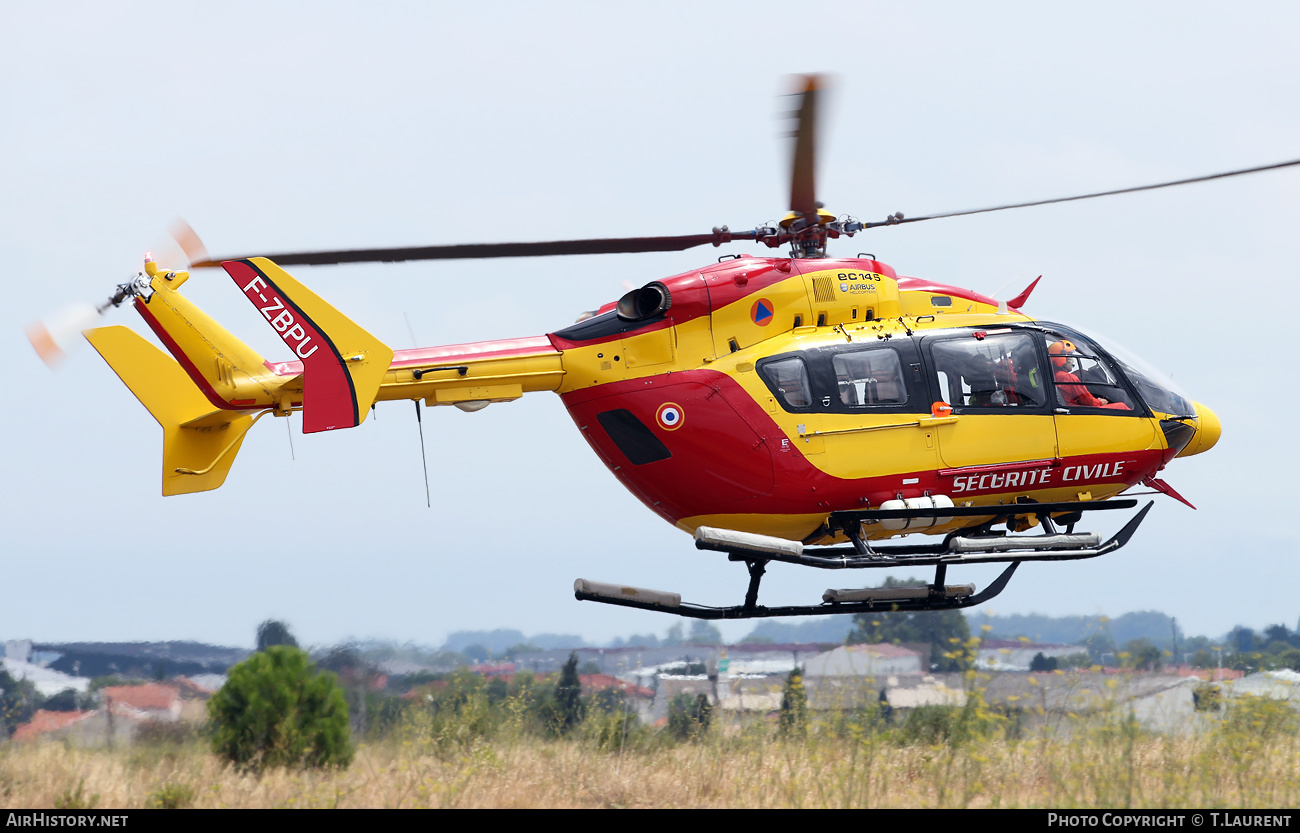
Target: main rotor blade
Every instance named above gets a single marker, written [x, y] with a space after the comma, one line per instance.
[893, 222]
[608, 245]
[803, 174]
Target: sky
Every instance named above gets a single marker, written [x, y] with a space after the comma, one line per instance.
[299, 126]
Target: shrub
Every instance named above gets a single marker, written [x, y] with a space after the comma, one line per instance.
[793, 719]
[1253, 716]
[174, 795]
[1041, 663]
[940, 725]
[277, 710]
[614, 730]
[159, 733]
[932, 725]
[75, 798]
[689, 717]
[1207, 697]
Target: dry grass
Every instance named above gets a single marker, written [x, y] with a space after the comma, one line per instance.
[743, 768]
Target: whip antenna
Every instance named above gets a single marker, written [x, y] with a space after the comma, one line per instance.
[423, 460]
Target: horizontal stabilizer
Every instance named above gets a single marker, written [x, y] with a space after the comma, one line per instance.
[343, 365]
[199, 441]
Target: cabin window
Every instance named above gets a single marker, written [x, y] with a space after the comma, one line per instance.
[990, 372]
[788, 379]
[870, 377]
[1081, 378]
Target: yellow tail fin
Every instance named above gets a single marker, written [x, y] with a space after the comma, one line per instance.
[199, 441]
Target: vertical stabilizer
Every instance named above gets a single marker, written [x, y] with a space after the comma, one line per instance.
[343, 365]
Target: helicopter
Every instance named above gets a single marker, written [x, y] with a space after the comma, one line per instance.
[797, 408]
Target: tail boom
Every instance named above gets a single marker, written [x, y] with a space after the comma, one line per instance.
[207, 397]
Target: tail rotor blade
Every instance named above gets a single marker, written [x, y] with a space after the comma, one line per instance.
[58, 334]
[188, 240]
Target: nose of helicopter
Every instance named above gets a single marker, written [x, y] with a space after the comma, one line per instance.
[1208, 429]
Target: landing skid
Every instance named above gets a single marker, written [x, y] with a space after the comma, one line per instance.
[757, 550]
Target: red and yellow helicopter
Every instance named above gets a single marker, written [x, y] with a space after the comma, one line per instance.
[796, 407]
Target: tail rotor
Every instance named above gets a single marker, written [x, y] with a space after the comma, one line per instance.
[57, 335]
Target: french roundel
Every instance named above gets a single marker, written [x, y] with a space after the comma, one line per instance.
[670, 416]
[762, 312]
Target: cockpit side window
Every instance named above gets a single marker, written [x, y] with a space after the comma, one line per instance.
[870, 377]
[788, 379]
[990, 372]
[1082, 378]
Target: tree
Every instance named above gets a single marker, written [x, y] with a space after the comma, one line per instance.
[18, 700]
[1277, 633]
[704, 633]
[1242, 639]
[1144, 655]
[1042, 663]
[66, 700]
[569, 708]
[274, 632]
[276, 709]
[1098, 645]
[946, 631]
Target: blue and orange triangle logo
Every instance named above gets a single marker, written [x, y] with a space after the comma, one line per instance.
[762, 312]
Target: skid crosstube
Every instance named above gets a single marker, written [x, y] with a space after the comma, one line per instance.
[922, 555]
[935, 596]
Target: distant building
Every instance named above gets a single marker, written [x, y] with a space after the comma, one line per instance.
[160, 702]
[47, 681]
[1018, 655]
[751, 693]
[122, 712]
[47, 724]
[645, 661]
[1275, 685]
[864, 661]
[18, 650]
[1159, 702]
[202, 685]
[595, 683]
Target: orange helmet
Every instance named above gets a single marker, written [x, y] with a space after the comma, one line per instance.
[1058, 351]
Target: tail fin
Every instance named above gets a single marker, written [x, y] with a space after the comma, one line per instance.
[199, 440]
[343, 365]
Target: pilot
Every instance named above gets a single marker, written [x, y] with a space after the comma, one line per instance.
[1072, 389]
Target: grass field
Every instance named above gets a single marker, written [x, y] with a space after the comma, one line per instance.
[1252, 760]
